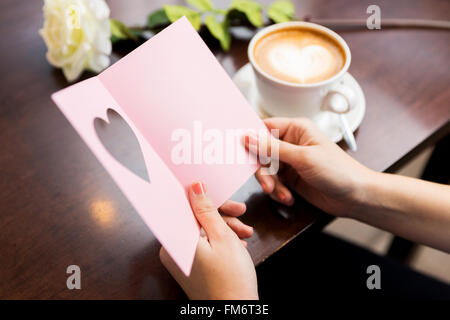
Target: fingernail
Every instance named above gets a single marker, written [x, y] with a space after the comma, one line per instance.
[198, 188]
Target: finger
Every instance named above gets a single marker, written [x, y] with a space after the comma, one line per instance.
[206, 214]
[302, 125]
[282, 194]
[244, 243]
[267, 147]
[267, 182]
[282, 124]
[233, 208]
[241, 229]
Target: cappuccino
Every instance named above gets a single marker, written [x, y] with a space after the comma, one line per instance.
[299, 55]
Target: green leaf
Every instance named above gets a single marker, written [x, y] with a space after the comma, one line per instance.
[221, 11]
[203, 5]
[175, 12]
[219, 31]
[281, 11]
[119, 31]
[251, 8]
[157, 19]
[137, 32]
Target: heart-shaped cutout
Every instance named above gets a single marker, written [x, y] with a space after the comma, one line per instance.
[121, 142]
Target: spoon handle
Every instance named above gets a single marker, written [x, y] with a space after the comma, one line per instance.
[348, 134]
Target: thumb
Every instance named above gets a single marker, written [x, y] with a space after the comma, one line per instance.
[269, 146]
[206, 214]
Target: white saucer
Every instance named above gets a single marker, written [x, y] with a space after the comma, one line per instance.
[328, 122]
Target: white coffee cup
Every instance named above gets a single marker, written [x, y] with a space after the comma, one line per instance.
[277, 97]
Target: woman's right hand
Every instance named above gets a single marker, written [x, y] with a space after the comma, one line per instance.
[311, 165]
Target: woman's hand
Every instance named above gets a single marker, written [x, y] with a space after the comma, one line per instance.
[318, 170]
[230, 210]
[311, 165]
[222, 267]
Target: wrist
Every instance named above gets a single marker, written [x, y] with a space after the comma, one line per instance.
[365, 196]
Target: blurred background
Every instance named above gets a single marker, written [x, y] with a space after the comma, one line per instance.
[421, 258]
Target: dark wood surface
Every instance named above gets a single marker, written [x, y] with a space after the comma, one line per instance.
[58, 206]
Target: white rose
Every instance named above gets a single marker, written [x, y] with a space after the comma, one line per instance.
[77, 35]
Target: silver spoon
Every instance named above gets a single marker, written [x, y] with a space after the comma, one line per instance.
[338, 104]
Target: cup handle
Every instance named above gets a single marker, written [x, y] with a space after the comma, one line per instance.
[340, 99]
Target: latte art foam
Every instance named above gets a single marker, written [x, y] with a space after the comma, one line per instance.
[299, 56]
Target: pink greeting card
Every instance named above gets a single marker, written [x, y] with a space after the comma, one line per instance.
[187, 117]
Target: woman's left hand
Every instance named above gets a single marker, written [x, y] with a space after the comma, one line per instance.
[222, 267]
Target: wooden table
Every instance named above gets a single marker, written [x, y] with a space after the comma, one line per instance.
[58, 206]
